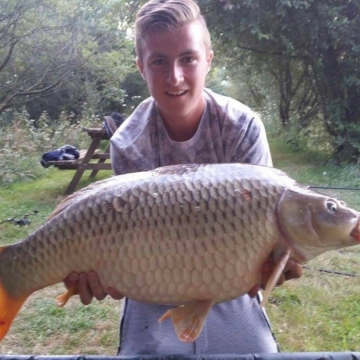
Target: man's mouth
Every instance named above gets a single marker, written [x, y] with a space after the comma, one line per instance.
[176, 93]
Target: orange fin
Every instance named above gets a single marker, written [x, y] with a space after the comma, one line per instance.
[188, 320]
[62, 299]
[275, 275]
[9, 307]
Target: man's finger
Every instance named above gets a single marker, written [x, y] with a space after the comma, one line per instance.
[266, 270]
[85, 293]
[114, 293]
[71, 280]
[95, 286]
[293, 270]
[281, 280]
[253, 291]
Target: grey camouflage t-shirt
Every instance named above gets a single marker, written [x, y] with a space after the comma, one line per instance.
[228, 132]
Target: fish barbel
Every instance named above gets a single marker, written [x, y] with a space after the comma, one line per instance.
[185, 235]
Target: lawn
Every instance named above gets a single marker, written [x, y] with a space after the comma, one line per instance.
[319, 312]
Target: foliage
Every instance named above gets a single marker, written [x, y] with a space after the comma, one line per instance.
[313, 52]
[37, 51]
[57, 56]
[76, 57]
[23, 140]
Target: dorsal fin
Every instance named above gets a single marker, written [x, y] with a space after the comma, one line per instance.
[121, 179]
[80, 194]
[96, 187]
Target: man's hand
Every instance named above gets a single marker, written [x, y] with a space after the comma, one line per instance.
[89, 286]
[293, 270]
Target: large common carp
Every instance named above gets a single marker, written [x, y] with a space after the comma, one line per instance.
[188, 235]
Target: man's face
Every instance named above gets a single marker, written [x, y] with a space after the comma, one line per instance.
[175, 64]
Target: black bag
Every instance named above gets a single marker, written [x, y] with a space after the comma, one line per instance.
[66, 152]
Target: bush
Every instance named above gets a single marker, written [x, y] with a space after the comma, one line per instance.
[23, 141]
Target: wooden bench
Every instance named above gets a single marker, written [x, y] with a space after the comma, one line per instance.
[68, 164]
[92, 153]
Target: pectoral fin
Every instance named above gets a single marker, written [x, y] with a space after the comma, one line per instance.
[188, 320]
[62, 299]
[275, 276]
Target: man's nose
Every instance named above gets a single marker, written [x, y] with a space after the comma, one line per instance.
[175, 74]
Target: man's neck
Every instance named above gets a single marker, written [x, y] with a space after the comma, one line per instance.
[181, 129]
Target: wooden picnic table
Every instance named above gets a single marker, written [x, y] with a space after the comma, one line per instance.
[83, 163]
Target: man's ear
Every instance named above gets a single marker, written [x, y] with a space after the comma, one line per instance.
[210, 56]
[140, 66]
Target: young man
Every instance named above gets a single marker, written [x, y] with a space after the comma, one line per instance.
[183, 122]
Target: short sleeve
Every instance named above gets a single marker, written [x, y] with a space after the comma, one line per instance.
[252, 146]
[131, 147]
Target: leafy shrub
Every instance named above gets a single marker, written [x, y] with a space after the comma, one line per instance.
[23, 141]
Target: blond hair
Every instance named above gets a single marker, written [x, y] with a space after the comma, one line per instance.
[157, 15]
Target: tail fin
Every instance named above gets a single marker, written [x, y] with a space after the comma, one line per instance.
[9, 307]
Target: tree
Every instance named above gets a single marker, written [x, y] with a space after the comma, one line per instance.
[65, 55]
[312, 49]
[37, 51]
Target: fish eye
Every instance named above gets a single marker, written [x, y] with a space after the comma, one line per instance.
[331, 206]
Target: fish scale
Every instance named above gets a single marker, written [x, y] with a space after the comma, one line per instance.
[189, 235]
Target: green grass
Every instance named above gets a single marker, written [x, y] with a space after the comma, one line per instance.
[41, 327]
[312, 169]
[40, 194]
[319, 312]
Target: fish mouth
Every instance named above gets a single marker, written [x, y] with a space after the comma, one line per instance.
[355, 233]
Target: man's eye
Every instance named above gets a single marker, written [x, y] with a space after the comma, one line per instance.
[158, 62]
[188, 59]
